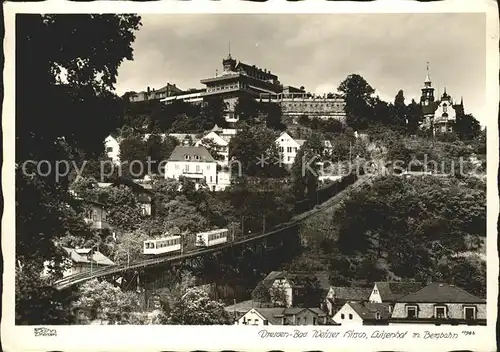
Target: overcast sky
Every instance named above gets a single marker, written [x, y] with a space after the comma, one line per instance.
[317, 51]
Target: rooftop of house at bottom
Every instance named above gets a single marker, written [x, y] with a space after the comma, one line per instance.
[439, 292]
[82, 256]
[191, 154]
[391, 291]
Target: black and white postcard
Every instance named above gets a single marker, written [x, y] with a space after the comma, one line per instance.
[222, 175]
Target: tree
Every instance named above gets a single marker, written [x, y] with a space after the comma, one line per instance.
[247, 109]
[415, 117]
[305, 169]
[133, 150]
[250, 145]
[357, 94]
[400, 110]
[59, 123]
[195, 307]
[103, 302]
[159, 149]
[467, 127]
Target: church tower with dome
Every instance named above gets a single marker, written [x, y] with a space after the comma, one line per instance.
[439, 115]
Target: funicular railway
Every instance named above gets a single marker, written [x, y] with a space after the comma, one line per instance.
[325, 201]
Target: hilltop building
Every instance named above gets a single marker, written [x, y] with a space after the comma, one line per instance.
[152, 94]
[440, 116]
[238, 79]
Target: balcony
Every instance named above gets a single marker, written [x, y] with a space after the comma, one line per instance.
[193, 174]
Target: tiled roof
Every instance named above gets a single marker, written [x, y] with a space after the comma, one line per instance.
[243, 306]
[80, 256]
[180, 153]
[368, 311]
[391, 291]
[273, 315]
[439, 292]
[352, 293]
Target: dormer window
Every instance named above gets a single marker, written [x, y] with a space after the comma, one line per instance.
[440, 312]
[197, 157]
[411, 312]
[470, 313]
[187, 157]
[377, 315]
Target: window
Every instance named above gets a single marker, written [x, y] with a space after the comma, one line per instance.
[445, 107]
[198, 168]
[186, 168]
[350, 316]
[440, 312]
[187, 157]
[411, 312]
[298, 321]
[305, 320]
[375, 291]
[196, 157]
[266, 322]
[289, 149]
[470, 313]
[109, 150]
[256, 321]
[282, 149]
[377, 315]
[342, 316]
[289, 158]
[314, 320]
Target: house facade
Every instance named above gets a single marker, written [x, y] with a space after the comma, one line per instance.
[439, 115]
[283, 316]
[112, 149]
[96, 215]
[288, 148]
[295, 103]
[363, 313]
[337, 297]
[194, 163]
[439, 303]
[221, 146]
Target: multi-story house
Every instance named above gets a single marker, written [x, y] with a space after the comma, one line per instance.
[283, 316]
[220, 144]
[96, 215]
[195, 163]
[439, 303]
[288, 148]
[363, 313]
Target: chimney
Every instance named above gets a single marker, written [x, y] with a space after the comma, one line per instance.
[149, 90]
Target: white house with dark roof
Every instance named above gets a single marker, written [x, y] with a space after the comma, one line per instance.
[195, 163]
[439, 303]
[221, 145]
[338, 296]
[283, 316]
[391, 291]
[288, 147]
[363, 313]
[81, 260]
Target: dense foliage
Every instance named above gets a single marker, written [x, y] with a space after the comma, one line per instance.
[71, 61]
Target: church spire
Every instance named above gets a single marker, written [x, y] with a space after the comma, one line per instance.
[462, 100]
[427, 77]
[229, 51]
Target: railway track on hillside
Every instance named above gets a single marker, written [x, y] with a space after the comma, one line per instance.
[114, 269]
